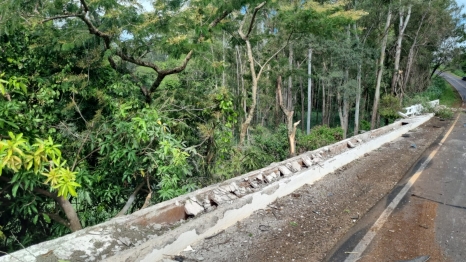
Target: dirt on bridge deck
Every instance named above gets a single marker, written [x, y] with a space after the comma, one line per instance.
[305, 225]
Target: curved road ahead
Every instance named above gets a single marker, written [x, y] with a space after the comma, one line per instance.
[428, 221]
[459, 84]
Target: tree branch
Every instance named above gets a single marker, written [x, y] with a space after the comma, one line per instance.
[84, 5]
[59, 17]
[256, 9]
[161, 74]
[58, 218]
[146, 203]
[276, 53]
[130, 200]
[219, 18]
[77, 109]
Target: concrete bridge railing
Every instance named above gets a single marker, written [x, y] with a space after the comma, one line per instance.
[169, 227]
[417, 109]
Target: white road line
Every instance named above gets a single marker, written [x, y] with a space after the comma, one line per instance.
[357, 252]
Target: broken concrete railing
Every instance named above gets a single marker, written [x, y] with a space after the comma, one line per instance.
[167, 228]
[417, 109]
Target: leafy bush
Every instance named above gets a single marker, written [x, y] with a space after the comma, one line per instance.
[365, 125]
[320, 136]
[445, 113]
[264, 148]
[389, 107]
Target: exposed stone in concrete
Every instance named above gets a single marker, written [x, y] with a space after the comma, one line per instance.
[254, 184]
[359, 140]
[295, 166]
[125, 240]
[351, 145]
[221, 197]
[235, 186]
[285, 171]
[317, 160]
[192, 208]
[260, 177]
[270, 177]
[307, 161]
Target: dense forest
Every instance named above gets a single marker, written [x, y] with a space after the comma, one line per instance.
[109, 106]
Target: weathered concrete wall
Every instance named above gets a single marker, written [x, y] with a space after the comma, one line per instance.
[169, 227]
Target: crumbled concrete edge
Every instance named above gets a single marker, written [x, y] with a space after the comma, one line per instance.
[139, 236]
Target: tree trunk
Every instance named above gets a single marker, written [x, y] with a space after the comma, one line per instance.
[411, 55]
[70, 213]
[358, 101]
[73, 222]
[302, 102]
[380, 70]
[289, 96]
[401, 28]
[324, 112]
[289, 119]
[309, 92]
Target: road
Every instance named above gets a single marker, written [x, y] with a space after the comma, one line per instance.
[425, 216]
[459, 84]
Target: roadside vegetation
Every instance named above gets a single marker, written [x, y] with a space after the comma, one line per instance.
[107, 107]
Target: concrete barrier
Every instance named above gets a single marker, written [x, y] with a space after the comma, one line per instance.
[169, 227]
[417, 109]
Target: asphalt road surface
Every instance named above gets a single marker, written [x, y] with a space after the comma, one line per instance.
[459, 84]
[424, 218]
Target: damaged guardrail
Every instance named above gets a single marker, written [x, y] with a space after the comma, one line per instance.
[417, 109]
[167, 228]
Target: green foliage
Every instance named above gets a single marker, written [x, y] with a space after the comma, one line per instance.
[365, 125]
[389, 107]
[320, 136]
[18, 156]
[440, 89]
[445, 113]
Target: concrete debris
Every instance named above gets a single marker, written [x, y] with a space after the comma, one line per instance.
[317, 160]
[260, 177]
[351, 145]
[192, 208]
[254, 184]
[125, 240]
[307, 161]
[413, 145]
[207, 205]
[222, 189]
[326, 149]
[220, 198]
[241, 191]
[194, 199]
[235, 186]
[285, 171]
[359, 140]
[188, 248]
[294, 166]
[270, 177]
